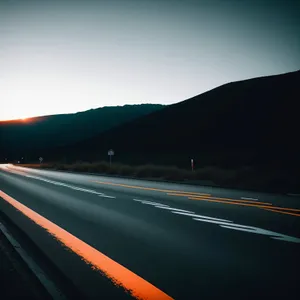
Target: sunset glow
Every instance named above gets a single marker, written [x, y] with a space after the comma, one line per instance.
[69, 56]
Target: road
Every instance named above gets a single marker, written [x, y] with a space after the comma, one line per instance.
[159, 240]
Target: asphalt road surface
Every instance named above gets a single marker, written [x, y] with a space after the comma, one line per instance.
[116, 238]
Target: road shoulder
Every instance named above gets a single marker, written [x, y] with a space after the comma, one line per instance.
[17, 280]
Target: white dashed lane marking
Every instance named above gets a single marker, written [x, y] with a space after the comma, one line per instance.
[173, 209]
[246, 198]
[222, 222]
[213, 221]
[76, 188]
[150, 202]
[200, 216]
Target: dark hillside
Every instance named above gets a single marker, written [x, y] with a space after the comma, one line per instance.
[248, 122]
[19, 137]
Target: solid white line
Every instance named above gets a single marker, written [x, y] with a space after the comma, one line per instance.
[246, 198]
[83, 190]
[242, 226]
[175, 209]
[257, 230]
[71, 187]
[50, 287]
[150, 202]
[287, 238]
[154, 203]
[213, 221]
[87, 191]
[199, 216]
[107, 196]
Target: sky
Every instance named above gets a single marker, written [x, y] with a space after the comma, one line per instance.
[60, 56]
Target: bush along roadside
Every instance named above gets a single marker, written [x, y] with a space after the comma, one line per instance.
[241, 178]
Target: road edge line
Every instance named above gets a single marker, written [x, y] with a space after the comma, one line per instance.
[40, 275]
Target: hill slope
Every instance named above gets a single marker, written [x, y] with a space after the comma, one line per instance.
[19, 137]
[241, 123]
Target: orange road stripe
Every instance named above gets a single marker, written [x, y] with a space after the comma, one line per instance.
[119, 275]
[282, 212]
[188, 195]
[216, 198]
[240, 200]
[227, 202]
[275, 209]
[285, 208]
[149, 189]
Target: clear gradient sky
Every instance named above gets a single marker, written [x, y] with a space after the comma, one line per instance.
[61, 56]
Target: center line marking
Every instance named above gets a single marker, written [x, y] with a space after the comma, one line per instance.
[148, 188]
[138, 287]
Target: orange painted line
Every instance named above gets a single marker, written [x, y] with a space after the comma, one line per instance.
[283, 212]
[216, 198]
[285, 208]
[274, 209]
[119, 275]
[230, 199]
[148, 189]
[188, 195]
[243, 201]
[227, 202]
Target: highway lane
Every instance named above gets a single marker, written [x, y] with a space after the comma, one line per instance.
[189, 242]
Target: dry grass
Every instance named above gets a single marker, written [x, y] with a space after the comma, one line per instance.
[245, 178]
[144, 171]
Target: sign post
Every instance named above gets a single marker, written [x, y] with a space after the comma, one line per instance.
[110, 154]
[192, 164]
[40, 159]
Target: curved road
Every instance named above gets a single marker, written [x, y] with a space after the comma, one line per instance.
[122, 238]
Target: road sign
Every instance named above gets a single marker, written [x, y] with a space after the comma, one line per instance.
[110, 153]
[40, 159]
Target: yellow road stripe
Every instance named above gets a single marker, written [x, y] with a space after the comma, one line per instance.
[226, 202]
[272, 208]
[118, 274]
[204, 197]
[217, 198]
[149, 189]
[282, 212]
[285, 208]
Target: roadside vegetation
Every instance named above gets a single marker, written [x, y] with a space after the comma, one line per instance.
[245, 178]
